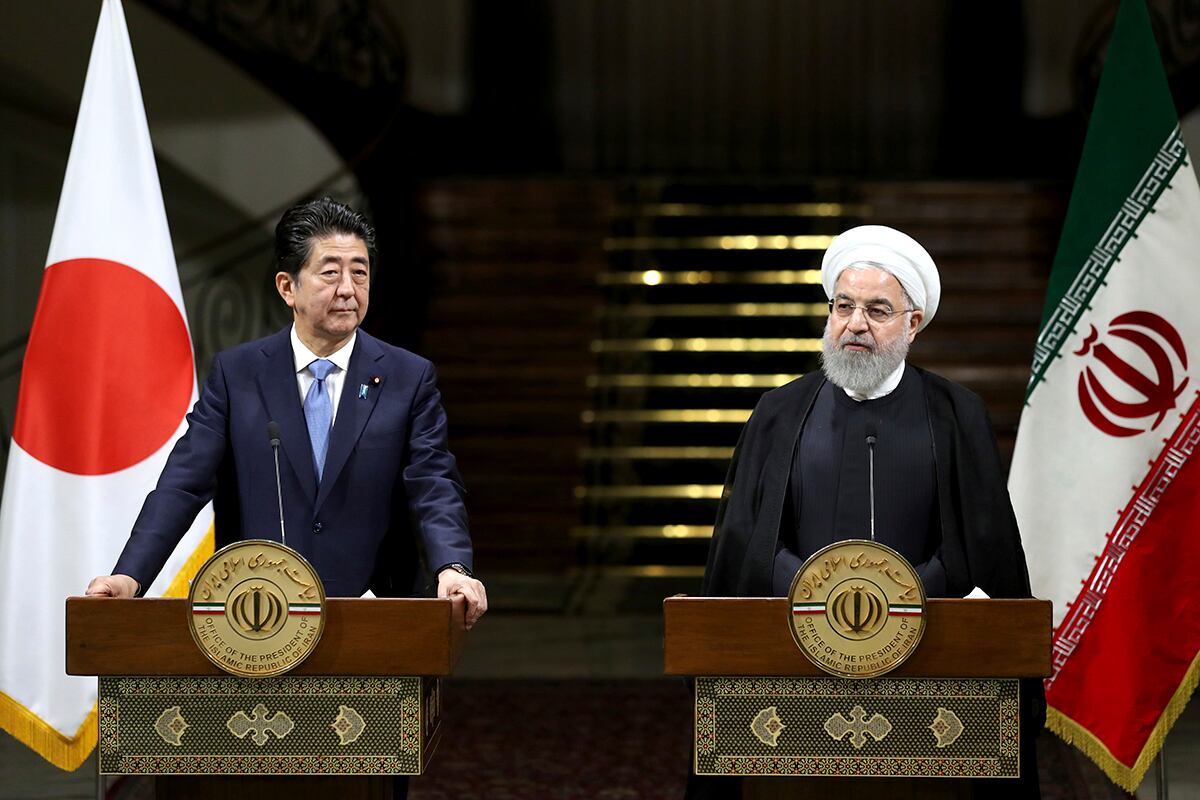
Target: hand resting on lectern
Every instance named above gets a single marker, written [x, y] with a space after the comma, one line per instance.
[113, 586]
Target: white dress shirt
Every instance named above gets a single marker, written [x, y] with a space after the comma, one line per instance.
[337, 376]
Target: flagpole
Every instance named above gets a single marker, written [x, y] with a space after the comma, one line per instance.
[1161, 773]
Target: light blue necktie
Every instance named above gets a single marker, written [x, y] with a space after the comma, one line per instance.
[318, 411]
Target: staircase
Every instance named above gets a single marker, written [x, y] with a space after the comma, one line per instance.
[514, 266]
[713, 296]
[600, 346]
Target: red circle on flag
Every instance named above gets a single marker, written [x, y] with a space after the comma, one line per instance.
[108, 370]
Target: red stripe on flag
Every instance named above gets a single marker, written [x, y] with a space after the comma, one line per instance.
[1121, 538]
[1137, 649]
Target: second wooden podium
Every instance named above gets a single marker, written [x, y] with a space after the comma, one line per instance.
[367, 702]
[952, 710]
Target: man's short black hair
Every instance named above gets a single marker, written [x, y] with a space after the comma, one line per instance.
[303, 224]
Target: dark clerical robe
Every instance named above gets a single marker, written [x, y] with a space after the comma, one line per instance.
[829, 491]
[980, 544]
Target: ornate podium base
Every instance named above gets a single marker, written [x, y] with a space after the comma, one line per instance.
[310, 725]
[878, 728]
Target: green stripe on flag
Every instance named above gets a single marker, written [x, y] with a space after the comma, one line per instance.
[1061, 318]
[1131, 153]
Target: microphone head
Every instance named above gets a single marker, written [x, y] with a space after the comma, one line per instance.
[273, 434]
[871, 434]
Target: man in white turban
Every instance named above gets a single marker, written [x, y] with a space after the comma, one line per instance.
[800, 479]
[898, 284]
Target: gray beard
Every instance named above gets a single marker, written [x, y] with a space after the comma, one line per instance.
[861, 373]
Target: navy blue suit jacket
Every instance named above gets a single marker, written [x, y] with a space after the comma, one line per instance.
[390, 497]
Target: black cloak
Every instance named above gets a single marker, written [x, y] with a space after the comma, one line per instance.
[981, 545]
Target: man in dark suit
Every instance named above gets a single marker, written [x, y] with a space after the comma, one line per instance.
[370, 490]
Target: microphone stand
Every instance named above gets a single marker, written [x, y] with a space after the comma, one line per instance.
[273, 434]
[871, 437]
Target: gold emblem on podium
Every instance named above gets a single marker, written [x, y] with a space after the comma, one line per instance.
[857, 609]
[258, 608]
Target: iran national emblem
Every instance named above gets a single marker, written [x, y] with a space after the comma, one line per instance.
[1136, 387]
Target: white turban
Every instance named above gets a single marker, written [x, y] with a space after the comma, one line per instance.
[892, 251]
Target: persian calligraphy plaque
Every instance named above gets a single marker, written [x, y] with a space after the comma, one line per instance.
[857, 609]
[257, 608]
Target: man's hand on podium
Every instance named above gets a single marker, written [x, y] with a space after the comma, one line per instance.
[452, 582]
[112, 586]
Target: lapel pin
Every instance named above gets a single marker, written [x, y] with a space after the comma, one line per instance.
[364, 388]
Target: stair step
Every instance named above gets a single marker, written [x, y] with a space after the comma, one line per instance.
[600, 347]
[643, 532]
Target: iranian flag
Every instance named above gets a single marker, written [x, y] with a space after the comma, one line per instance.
[1105, 480]
[106, 381]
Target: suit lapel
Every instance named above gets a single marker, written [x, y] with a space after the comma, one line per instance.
[277, 383]
[353, 410]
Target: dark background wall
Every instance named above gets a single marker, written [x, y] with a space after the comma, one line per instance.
[499, 147]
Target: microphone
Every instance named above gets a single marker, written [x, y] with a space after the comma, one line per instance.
[871, 438]
[273, 437]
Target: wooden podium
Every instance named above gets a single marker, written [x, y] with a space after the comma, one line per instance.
[364, 706]
[947, 714]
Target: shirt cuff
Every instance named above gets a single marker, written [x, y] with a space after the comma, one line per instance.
[457, 567]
